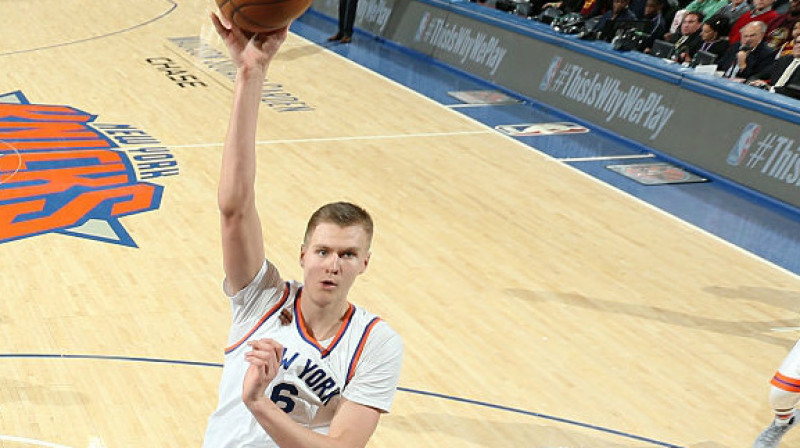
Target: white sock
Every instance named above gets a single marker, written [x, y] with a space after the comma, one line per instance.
[783, 417]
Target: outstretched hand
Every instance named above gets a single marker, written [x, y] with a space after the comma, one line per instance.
[250, 50]
[265, 360]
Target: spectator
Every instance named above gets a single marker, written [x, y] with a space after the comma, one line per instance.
[654, 12]
[677, 19]
[781, 28]
[688, 40]
[707, 7]
[564, 6]
[714, 34]
[734, 9]
[619, 11]
[783, 73]
[595, 8]
[788, 47]
[762, 12]
[749, 56]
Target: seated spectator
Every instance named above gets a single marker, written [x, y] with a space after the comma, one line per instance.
[619, 11]
[564, 6]
[653, 11]
[637, 7]
[714, 34]
[762, 12]
[788, 47]
[595, 8]
[688, 40]
[784, 72]
[749, 56]
[675, 27]
[781, 28]
[734, 9]
[707, 7]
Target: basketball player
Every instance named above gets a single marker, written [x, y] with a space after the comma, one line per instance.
[783, 397]
[303, 367]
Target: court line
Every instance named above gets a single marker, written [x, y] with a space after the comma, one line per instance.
[402, 389]
[31, 441]
[594, 127]
[343, 139]
[602, 158]
[90, 38]
[14, 152]
[460, 106]
[539, 415]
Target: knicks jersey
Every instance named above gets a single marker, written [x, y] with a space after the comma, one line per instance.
[361, 363]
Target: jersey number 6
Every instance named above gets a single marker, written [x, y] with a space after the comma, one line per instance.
[281, 395]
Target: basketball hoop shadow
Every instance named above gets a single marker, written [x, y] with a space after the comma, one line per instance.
[10, 161]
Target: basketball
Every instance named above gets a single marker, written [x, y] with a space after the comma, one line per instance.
[259, 16]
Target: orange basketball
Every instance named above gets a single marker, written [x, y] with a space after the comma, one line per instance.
[260, 16]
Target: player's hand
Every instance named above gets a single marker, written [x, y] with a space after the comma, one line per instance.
[250, 49]
[265, 360]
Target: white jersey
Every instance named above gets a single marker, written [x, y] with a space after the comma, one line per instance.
[361, 363]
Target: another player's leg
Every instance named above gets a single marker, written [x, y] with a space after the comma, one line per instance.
[784, 396]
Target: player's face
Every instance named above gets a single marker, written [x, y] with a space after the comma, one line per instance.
[332, 258]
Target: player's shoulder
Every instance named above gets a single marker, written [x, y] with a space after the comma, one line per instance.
[374, 327]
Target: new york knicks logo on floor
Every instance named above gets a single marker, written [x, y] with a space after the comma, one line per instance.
[61, 172]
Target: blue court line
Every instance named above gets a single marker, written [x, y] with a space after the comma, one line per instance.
[87, 39]
[402, 389]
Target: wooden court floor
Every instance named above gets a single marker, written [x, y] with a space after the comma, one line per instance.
[539, 307]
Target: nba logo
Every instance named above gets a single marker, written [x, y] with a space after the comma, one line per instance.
[551, 73]
[423, 23]
[742, 146]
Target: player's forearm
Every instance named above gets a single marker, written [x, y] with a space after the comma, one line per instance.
[286, 432]
[236, 187]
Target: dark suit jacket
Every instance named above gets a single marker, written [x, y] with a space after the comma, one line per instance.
[655, 30]
[774, 74]
[607, 23]
[759, 59]
[690, 45]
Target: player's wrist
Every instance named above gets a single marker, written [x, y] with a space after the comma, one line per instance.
[252, 71]
[258, 404]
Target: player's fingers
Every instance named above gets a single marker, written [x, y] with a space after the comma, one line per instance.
[221, 29]
[272, 368]
[255, 360]
[263, 355]
[266, 344]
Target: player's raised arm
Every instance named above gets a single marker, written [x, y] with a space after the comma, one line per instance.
[242, 239]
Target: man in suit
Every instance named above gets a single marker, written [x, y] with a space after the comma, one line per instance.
[785, 72]
[607, 24]
[749, 56]
[654, 12]
[688, 40]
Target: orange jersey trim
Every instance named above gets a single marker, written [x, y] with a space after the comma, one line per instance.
[306, 335]
[261, 321]
[351, 371]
